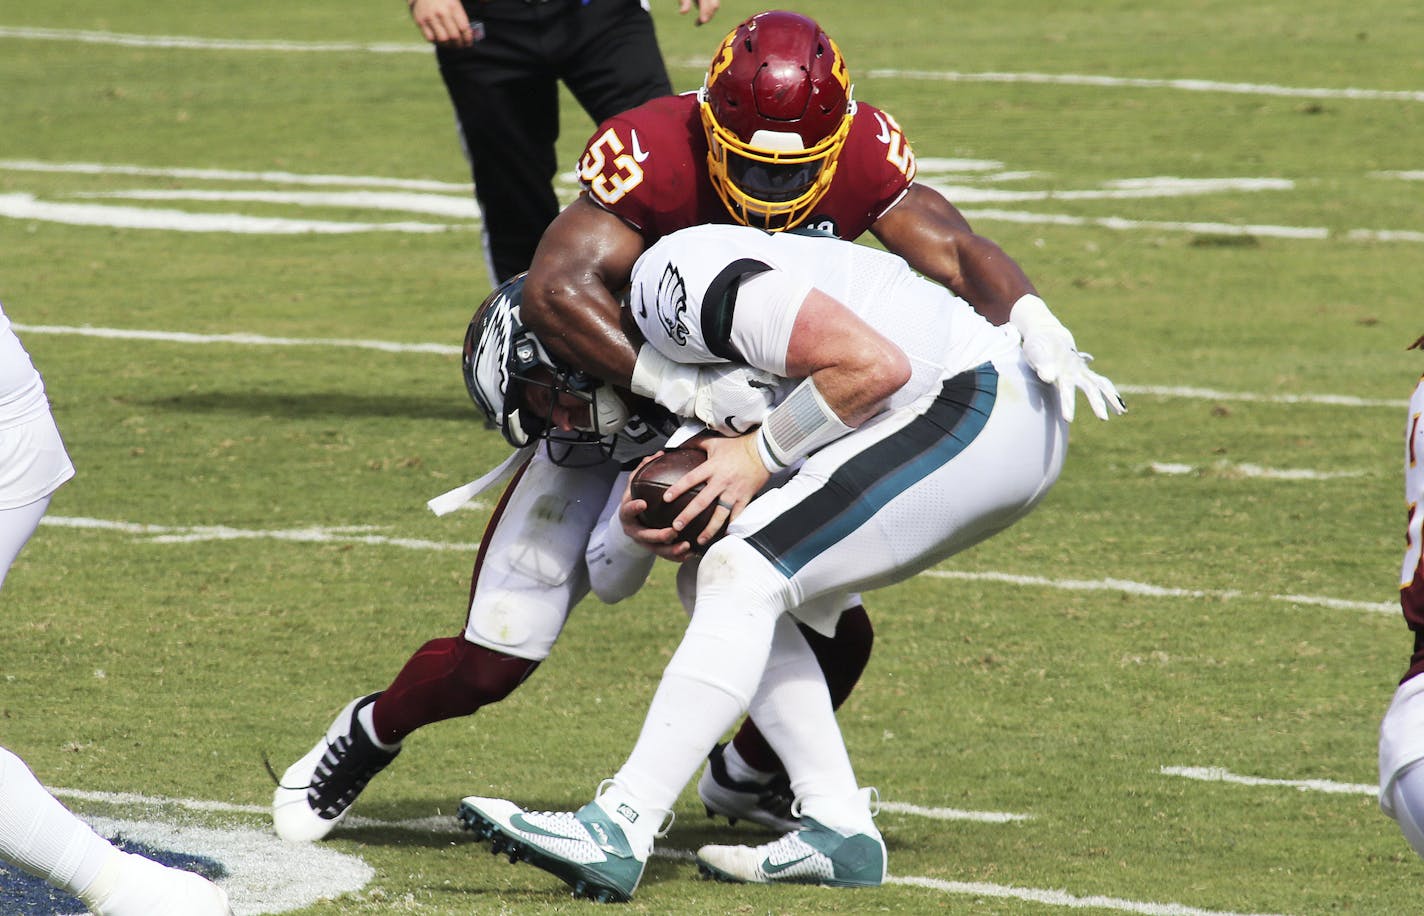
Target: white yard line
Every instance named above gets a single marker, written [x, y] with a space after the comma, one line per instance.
[185, 42]
[27, 206]
[1146, 590]
[243, 339]
[270, 177]
[1056, 897]
[427, 197]
[1219, 774]
[255, 897]
[173, 534]
[239, 339]
[1228, 469]
[180, 534]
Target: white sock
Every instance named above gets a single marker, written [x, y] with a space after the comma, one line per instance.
[848, 814]
[41, 836]
[712, 676]
[738, 769]
[792, 707]
[366, 717]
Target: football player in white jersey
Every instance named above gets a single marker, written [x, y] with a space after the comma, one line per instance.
[573, 435]
[37, 833]
[1401, 744]
[922, 430]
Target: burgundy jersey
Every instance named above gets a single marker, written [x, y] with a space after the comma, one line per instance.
[649, 167]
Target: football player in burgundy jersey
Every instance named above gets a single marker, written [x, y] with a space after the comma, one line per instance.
[774, 140]
[1401, 747]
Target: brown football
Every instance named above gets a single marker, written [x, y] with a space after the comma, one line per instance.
[651, 480]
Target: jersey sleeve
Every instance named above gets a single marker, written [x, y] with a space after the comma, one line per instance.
[874, 169]
[708, 295]
[642, 166]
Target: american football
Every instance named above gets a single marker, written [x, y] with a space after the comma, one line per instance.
[651, 480]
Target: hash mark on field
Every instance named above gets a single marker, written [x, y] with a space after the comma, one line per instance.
[1220, 774]
[1229, 469]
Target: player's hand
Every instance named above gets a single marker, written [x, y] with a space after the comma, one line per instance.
[1052, 353]
[732, 400]
[731, 477]
[1098, 389]
[443, 22]
[706, 9]
[662, 542]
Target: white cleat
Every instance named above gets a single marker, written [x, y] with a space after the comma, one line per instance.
[587, 848]
[317, 791]
[815, 854]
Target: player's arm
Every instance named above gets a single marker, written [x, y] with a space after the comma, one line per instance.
[584, 254]
[934, 237]
[849, 371]
[930, 233]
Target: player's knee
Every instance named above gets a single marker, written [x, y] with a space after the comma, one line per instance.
[735, 574]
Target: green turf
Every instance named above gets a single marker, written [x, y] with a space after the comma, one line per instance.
[170, 669]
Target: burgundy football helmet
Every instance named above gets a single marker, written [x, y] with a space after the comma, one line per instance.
[777, 108]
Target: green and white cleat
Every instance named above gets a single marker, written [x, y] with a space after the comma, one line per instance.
[815, 854]
[585, 849]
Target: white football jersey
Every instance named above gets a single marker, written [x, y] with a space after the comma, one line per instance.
[731, 294]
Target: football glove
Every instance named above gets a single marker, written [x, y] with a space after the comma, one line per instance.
[728, 399]
[1050, 350]
[734, 399]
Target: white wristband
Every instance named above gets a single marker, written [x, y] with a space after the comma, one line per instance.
[669, 383]
[797, 427]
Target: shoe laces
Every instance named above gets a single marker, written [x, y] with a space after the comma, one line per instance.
[350, 762]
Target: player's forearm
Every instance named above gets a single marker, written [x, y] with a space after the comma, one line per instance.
[989, 279]
[582, 331]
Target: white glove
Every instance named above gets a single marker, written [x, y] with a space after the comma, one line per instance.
[734, 399]
[729, 399]
[1052, 353]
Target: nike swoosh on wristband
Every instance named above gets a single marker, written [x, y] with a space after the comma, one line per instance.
[769, 869]
[732, 425]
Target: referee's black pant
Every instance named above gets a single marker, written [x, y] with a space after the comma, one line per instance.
[505, 93]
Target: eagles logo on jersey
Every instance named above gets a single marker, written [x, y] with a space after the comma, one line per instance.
[672, 304]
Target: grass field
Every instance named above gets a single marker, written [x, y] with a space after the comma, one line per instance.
[1170, 675]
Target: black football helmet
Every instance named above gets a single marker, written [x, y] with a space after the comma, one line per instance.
[503, 360]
